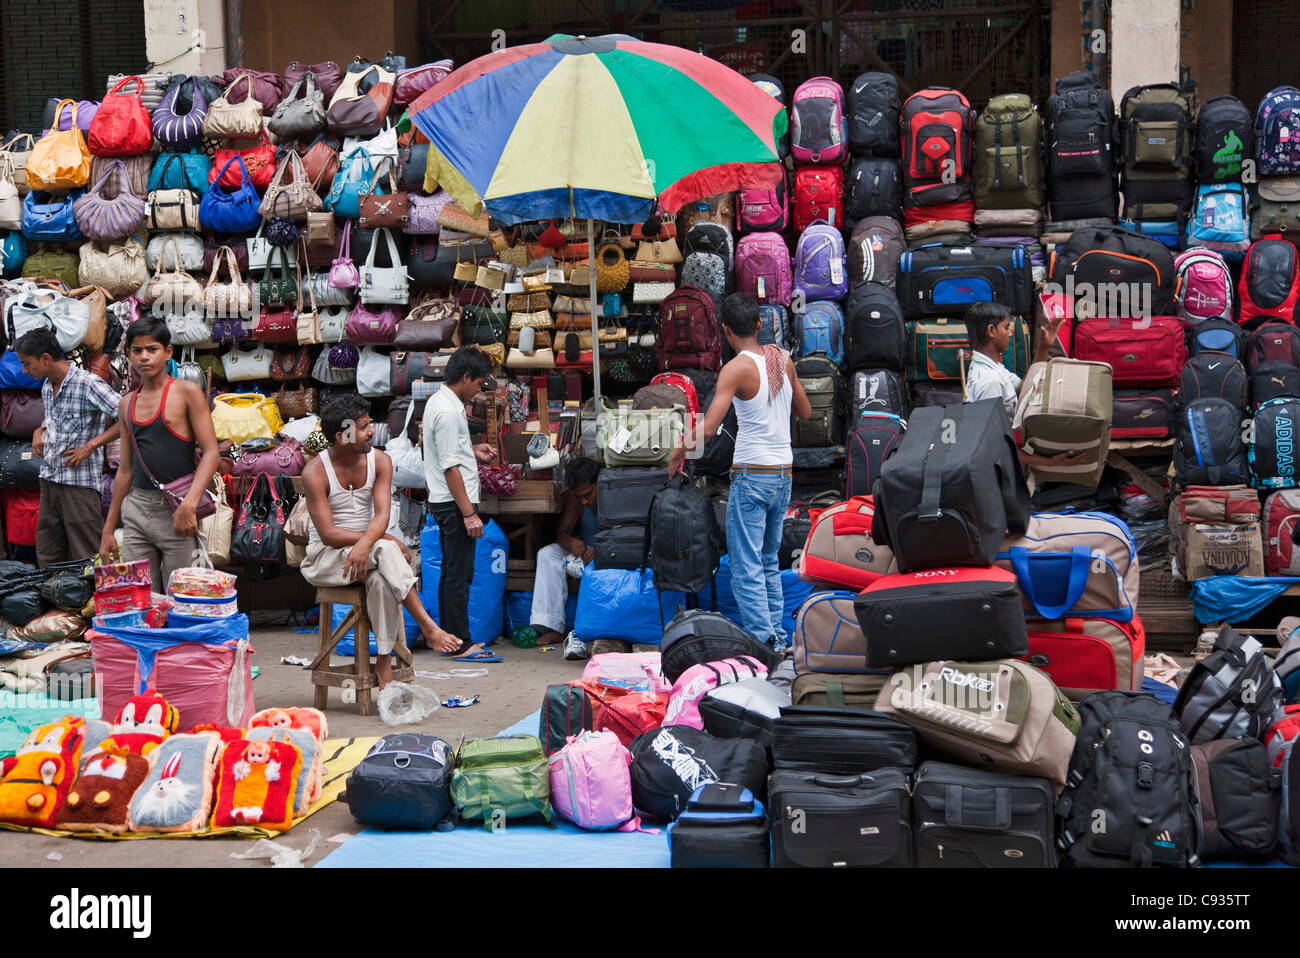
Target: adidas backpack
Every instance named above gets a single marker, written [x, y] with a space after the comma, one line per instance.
[1008, 143]
[937, 127]
[1231, 693]
[1079, 133]
[819, 268]
[873, 115]
[1156, 132]
[1277, 147]
[818, 195]
[818, 130]
[1220, 219]
[1225, 137]
[1271, 453]
[873, 251]
[763, 268]
[1269, 287]
[1202, 286]
[776, 90]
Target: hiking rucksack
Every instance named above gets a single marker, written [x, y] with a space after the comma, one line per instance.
[821, 331]
[708, 272]
[1207, 443]
[1079, 133]
[1232, 693]
[1272, 452]
[1008, 165]
[1220, 335]
[1269, 287]
[760, 210]
[874, 188]
[1202, 285]
[874, 108]
[1220, 219]
[776, 90]
[1240, 792]
[819, 269]
[824, 386]
[1273, 342]
[818, 130]
[937, 127]
[1156, 135]
[1131, 771]
[1277, 147]
[1225, 137]
[688, 331]
[874, 249]
[818, 195]
[1274, 380]
[873, 439]
[874, 328]
[1211, 375]
[682, 540]
[763, 268]
[878, 391]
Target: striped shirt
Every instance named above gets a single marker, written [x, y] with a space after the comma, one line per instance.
[82, 409]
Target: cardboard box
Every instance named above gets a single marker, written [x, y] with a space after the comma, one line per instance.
[1214, 548]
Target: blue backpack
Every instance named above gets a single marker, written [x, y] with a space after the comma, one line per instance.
[820, 269]
[774, 326]
[723, 826]
[821, 330]
[13, 250]
[1217, 335]
[1220, 220]
[1278, 114]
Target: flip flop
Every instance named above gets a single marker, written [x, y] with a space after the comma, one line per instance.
[461, 651]
[482, 655]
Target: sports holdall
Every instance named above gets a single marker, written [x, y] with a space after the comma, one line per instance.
[1079, 136]
[939, 280]
[1208, 444]
[1083, 656]
[723, 826]
[1008, 147]
[1142, 352]
[591, 785]
[827, 637]
[874, 111]
[840, 552]
[941, 613]
[1142, 414]
[874, 189]
[1269, 286]
[568, 708]
[1112, 263]
[839, 821]
[874, 439]
[696, 682]
[878, 392]
[1081, 564]
[403, 782]
[623, 493]
[1202, 286]
[874, 329]
[1240, 794]
[622, 547]
[818, 130]
[744, 709]
[670, 763]
[1231, 693]
[873, 250]
[841, 741]
[1066, 405]
[696, 636]
[507, 775]
[1271, 452]
[937, 126]
[972, 818]
[953, 491]
[1213, 375]
[1002, 714]
[1282, 533]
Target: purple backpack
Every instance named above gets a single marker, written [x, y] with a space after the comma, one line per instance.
[820, 271]
[763, 268]
[1277, 132]
[591, 784]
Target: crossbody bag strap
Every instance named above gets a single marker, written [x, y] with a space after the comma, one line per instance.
[130, 431]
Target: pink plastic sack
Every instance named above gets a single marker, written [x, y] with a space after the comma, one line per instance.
[693, 684]
[625, 669]
[591, 785]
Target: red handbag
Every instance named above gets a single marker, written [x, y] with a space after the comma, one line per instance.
[290, 364]
[277, 326]
[121, 127]
[500, 481]
[415, 81]
[21, 512]
[258, 160]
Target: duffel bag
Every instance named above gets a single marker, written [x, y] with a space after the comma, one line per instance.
[939, 280]
[696, 636]
[403, 782]
[1142, 414]
[827, 637]
[507, 775]
[670, 763]
[841, 741]
[1066, 405]
[623, 494]
[693, 684]
[1082, 656]
[1141, 352]
[1240, 795]
[1114, 258]
[858, 821]
[853, 689]
[622, 547]
[840, 553]
[568, 708]
[19, 468]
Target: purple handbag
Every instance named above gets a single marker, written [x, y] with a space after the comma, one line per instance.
[366, 328]
[86, 110]
[230, 331]
[343, 272]
[103, 219]
[286, 459]
[178, 119]
[344, 356]
[422, 212]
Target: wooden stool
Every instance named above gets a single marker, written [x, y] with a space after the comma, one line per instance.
[359, 674]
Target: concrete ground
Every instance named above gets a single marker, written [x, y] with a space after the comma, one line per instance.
[512, 689]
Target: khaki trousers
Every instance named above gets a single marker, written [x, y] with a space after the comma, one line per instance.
[147, 533]
[389, 579]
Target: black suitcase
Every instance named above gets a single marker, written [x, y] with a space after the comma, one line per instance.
[953, 490]
[840, 740]
[696, 636]
[840, 821]
[964, 614]
[723, 826]
[622, 547]
[972, 818]
[623, 494]
[403, 782]
[939, 280]
[1142, 414]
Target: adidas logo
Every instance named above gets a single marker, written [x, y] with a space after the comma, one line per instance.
[1164, 840]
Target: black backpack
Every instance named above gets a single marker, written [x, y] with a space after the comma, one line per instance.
[1225, 136]
[1222, 335]
[1274, 380]
[683, 543]
[874, 438]
[1156, 133]
[1271, 451]
[873, 249]
[874, 110]
[1213, 375]
[873, 187]
[874, 328]
[670, 763]
[1232, 693]
[1130, 796]
[403, 782]
[1240, 795]
[877, 391]
[776, 90]
[715, 459]
[696, 636]
[1207, 444]
[1079, 137]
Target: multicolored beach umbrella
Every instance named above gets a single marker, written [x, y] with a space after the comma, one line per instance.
[596, 127]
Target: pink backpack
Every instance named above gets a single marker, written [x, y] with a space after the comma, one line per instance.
[763, 268]
[625, 670]
[1202, 285]
[818, 129]
[762, 210]
[591, 785]
[697, 681]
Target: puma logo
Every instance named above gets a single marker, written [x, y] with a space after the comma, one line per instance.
[870, 398]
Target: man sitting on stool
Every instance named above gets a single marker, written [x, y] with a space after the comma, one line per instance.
[573, 548]
[349, 497]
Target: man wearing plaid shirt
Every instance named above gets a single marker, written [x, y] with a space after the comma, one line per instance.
[80, 419]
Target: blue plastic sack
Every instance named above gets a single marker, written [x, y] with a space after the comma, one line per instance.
[12, 375]
[347, 645]
[621, 604]
[519, 610]
[794, 593]
[149, 642]
[487, 591]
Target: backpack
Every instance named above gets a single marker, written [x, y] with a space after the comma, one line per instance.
[1269, 381]
[506, 775]
[873, 115]
[774, 326]
[707, 236]
[818, 195]
[776, 90]
[874, 188]
[1156, 134]
[1207, 443]
[1008, 142]
[761, 210]
[1240, 792]
[697, 681]
[688, 332]
[821, 331]
[821, 380]
[670, 763]
[706, 271]
[1277, 148]
[1277, 198]
[1213, 375]
[1221, 335]
[715, 459]
[819, 269]
[591, 784]
[402, 782]
[1272, 451]
[1202, 285]
[1130, 797]
[567, 709]
[1220, 219]
[874, 328]
[665, 391]
[1232, 693]
[1079, 134]
[873, 251]
[937, 127]
[1269, 287]
[1225, 137]
[683, 542]
[818, 130]
[874, 439]
[763, 268]
[695, 636]
[875, 391]
[723, 826]
[1274, 342]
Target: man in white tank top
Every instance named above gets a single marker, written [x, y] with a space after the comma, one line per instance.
[349, 497]
[761, 383]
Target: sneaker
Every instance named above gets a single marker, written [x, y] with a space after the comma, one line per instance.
[574, 648]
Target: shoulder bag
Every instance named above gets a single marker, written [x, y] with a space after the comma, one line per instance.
[258, 534]
[121, 126]
[333, 324]
[353, 113]
[102, 218]
[96, 299]
[274, 291]
[47, 264]
[327, 74]
[286, 458]
[384, 210]
[295, 403]
[230, 330]
[259, 161]
[355, 179]
[59, 160]
[188, 329]
[343, 273]
[174, 492]
[302, 199]
[258, 250]
[37, 308]
[291, 363]
[184, 250]
[336, 366]
[299, 116]
[49, 217]
[231, 299]
[178, 119]
[240, 417]
[227, 120]
[119, 268]
[414, 158]
[429, 327]
[374, 373]
[267, 88]
[407, 456]
[137, 170]
[409, 84]
[15, 152]
[180, 171]
[173, 210]
[308, 322]
[368, 328]
[423, 212]
[233, 212]
[246, 362]
[389, 284]
[176, 291]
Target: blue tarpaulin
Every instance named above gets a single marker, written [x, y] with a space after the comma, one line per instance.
[1235, 598]
[149, 642]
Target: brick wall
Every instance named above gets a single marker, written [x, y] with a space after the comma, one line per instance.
[1265, 48]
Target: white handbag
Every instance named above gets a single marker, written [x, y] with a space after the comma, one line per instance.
[36, 308]
[374, 373]
[11, 206]
[327, 295]
[189, 329]
[383, 149]
[333, 324]
[227, 300]
[300, 428]
[259, 250]
[118, 267]
[385, 284]
[189, 245]
[408, 458]
[242, 364]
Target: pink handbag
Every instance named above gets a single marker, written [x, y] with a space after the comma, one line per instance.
[343, 272]
[367, 328]
[422, 213]
[286, 459]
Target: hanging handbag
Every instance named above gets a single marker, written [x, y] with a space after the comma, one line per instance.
[230, 330]
[327, 74]
[244, 363]
[307, 321]
[230, 212]
[258, 535]
[36, 308]
[320, 229]
[188, 329]
[480, 325]
[101, 218]
[122, 126]
[537, 359]
[302, 199]
[14, 153]
[172, 249]
[291, 364]
[231, 120]
[180, 171]
[407, 456]
[422, 263]
[59, 267]
[299, 115]
[409, 84]
[422, 213]
[294, 403]
[452, 217]
[365, 327]
[281, 230]
[175, 291]
[173, 210]
[611, 265]
[414, 158]
[355, 179]
[382, 147]
[257, 250]
[344, 274]
[274, 291]
[239, 417]
[21, 413]
[374, 373]
[321, 161]
[259, 164]
[327, 295]
[336, 366]
[174, 492]
[354, 113]
[429, 327]
[11, 204]
[137, 169]
[119, 267]
[407, 368]
[178, 119]
[388, 284]
[153, 86]
[96, 300]
[277, 325]
[660, 250]
[13, 251]
[333, 324]
[232, 299]
[49, 217]
[59, 160]
[378, 210]
[286, 458]
[189, 370]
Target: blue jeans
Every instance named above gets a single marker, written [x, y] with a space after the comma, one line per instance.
[756, 510]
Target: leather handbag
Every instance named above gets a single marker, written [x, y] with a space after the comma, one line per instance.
[259, 165]
[122, 126]
[291, 364]
[385, 284]
[480, 325]
[49, 217]
[277, 325]
[137, 170]
[211, 247]
[333, 324]
[409, 84]
[246, 362]
[178, 119]
[307, 323]
[355, 113]
[299, 115]
[185, 249]
[152, 87]
[174, 291]
[452, 217]
[413, 160]
[240, 417]
[320, 230]
[282, 231]
[374, 373]
[293, 403]
[336, 366]
[173, 210]
[410, 367]
[378, 210]
[188, 329]
[14, 153]
[180, 171]
[118, 267]
[327, 295]
[96, 300]
[428, 327]
[422, 263]
[422, 213]
[302, 199]
[286, 458]
[102, 218]
[344, 274]
[327, 74]
[61, 267]
[277, 290]
[59, 160]
[19, 467]
[355, 179]
[267, 88]
[367, 328]
[230, 212]
[234, 298]
[258, 248]
[258, 535]
[21, 413]
[320, 158]
[230, 330]
[646, 272]
[174, 492]
[232, 119]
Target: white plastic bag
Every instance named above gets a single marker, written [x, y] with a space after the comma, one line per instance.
[403, 704]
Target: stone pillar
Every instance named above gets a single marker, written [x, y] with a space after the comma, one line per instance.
[185, 36]
[1145, 43]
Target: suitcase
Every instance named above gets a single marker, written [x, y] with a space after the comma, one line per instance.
[856, 690]
[939, 280]
[1141, 352]
[567, 709]
[1282, 533]
[697, 636]
[831, 821]
[970, 818]
[670, 763]
[827, 637]
[622, 547]
[1142, 414]
[942, 613]
[744, 710]
[623, 494]
[840, 741]
[403, 782]
[1082, 656]
[840, 552]
[723, 826]
[1066, 405]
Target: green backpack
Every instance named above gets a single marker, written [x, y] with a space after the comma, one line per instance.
[51, 265]
[1008, 155]
[502, 778]
[1156, 140]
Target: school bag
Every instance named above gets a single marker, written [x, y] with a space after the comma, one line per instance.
[1281, 522]
[1277, 200]
[874, 110]
[878, 391]
[1273, 342]
[840, 552]
[776, 90]
[824, 386]
[939, 280]
[1211, 375]
[818, 195]
[568, 709]
[1271, 451]
[874, 328]
[689, 336]
[873, 438]
[1112, 257]
[1240, 794]
[1269, 286]
[1277, 148]
[591, 784]
[403, 782]
[1208, 444]
[1066, 404]
[670, 763]
[1218, 335]
[1225, 136]
[774, 327]
[1231, 693]
[1079, 128]
[503, 776]
[1269, 381]
[707, 272]
[693, 684]
[683, 542]
[821, 331]
[1202, 285]
[1131, 771]
[874, 249]
[819, 269]
[763, 268]
[818, 130]
[1008, 166]
[1220, 219]
[1156, 135]
[707, 236]
[723, 826]
[874, 188]
[762, 210]
[937, 125]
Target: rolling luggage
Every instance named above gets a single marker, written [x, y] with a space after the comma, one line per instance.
[1141, 352]
[970, 818]
[1271, 451]
[623, 493]
[1082, 656]
[670, 763]
[403, 782]
[874, 439]
[723, 826]
[1142, 414]
[696, 636]
[939, 280]
[1064, 405]
[1207, 444]
[567, 709]
[744, 709]
[840, 552]
[1240, 796]
[840, 741]
[839, 821]
[622, 547]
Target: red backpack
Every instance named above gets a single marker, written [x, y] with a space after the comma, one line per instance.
[1270, 283]
[818, 195]
[688, 332]
[938, 125]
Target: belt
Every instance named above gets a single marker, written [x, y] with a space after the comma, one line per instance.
[762, 470]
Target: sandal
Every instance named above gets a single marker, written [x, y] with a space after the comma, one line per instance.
[482, 655]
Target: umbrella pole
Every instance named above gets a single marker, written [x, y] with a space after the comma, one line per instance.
[595, 331]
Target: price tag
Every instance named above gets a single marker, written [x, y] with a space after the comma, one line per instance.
[762, 287]
[837, 270]
[621, 439]
[830, 216]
